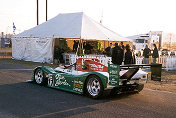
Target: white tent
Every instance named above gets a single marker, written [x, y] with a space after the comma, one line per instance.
[37, 41]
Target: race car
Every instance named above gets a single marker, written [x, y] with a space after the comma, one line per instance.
[88, 76]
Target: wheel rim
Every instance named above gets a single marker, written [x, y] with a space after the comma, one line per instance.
[39, 76]
[93, 87]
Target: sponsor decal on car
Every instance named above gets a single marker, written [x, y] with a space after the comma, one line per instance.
[78, 86]
[59, 80]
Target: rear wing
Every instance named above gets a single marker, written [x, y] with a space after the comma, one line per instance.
[130, 73]
[154, 68]
[114, 70]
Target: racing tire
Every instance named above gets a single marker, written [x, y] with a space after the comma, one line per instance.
[39, 77]
[94, 87]
[140, 87]
[113, 92]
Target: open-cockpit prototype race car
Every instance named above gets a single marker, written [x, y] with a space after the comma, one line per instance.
[91, 77]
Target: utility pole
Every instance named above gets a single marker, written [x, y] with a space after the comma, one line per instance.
[37, 14]
[101, 20]
[46, 10]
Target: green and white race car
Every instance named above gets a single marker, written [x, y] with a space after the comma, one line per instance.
[90, 77]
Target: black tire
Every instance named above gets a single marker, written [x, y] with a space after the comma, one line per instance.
[94, 87]
[113, 92]
[39, 77]
[140, 87]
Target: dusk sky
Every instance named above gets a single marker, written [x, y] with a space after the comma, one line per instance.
[125, 17]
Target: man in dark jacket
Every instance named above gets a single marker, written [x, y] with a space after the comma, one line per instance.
[155, 53]
[109, 50]
[117, 55]
[128, 55]
[146, 55]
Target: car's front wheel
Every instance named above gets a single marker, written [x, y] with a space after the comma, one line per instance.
[39, 76]
[94, 87]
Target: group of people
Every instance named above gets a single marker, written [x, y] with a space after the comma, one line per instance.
[120, 53]
[147, 53]
[87, 47]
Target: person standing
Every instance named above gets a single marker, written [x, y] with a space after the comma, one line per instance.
[75, 46]
[133, 57]
[122, 46]
[146, 55]
[128, 55]
[155, 54]
[109, 50]
[117, 55]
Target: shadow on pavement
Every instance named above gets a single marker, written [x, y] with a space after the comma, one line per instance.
[30, 100]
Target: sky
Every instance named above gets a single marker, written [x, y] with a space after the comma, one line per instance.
[125, 17]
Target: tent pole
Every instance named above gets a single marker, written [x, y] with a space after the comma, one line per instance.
[53, 44]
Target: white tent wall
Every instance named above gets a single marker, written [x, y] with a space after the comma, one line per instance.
[17, 49]
[33, 49]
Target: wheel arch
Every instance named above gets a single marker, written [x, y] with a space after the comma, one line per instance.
[43, 78]
[43, 68]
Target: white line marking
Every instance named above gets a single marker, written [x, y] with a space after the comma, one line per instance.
[54, 113]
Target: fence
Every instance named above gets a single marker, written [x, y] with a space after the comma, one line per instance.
[71, 58]
[168, 62]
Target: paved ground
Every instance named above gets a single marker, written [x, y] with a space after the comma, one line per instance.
[21, 99]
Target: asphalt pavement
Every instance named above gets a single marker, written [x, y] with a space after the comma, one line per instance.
[21, 99]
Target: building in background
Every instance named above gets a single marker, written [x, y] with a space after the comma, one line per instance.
[140, 41]
[169, 41]
[5, 40]
[161, 39]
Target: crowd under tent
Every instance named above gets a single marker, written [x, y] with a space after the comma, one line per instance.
[37, 44]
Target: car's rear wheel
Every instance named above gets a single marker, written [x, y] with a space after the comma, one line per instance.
[94, 86]
[39, 76]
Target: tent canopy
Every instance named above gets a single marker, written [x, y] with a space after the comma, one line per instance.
[72, 25]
